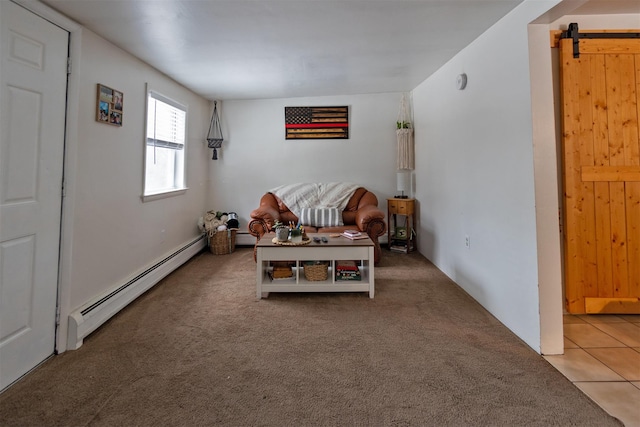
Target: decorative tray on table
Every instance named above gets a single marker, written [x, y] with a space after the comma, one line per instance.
[290, 243]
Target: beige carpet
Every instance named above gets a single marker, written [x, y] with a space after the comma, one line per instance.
[200, 349]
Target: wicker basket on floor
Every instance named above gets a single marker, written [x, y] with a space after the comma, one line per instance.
[316, 271]
[223, 242]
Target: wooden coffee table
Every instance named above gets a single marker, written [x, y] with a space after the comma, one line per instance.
[336, 249]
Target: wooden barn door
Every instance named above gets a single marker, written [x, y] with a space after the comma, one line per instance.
[600, 83]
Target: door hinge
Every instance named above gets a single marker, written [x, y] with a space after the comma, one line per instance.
[64, 190]
[68, 66]
[57, 315]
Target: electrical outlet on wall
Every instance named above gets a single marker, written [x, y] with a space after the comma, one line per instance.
[467, 241]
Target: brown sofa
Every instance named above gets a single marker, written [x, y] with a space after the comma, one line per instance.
[361, 212]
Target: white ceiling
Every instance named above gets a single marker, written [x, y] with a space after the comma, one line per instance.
[247, 49]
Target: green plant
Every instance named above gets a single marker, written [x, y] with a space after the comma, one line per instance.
[403, 125]
[277, 224]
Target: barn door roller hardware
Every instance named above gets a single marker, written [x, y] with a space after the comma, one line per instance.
[572, 33]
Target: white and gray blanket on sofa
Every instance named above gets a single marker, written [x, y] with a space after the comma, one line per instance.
[317, 203]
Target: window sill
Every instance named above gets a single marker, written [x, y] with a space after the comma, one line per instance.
[163, 195]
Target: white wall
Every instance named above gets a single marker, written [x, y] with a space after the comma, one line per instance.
[256, 157]
[545, 133]
[474, 173]
[110, 235]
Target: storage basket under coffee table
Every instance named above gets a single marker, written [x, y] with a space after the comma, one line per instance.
[337, 248]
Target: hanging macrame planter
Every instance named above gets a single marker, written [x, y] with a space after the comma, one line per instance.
[214, 136]
[404, 136]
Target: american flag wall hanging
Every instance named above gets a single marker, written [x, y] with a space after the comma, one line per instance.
[316, 122]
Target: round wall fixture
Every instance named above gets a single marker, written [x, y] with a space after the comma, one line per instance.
[461, 81]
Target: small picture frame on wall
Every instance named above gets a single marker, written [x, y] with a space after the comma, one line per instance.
[109, 108]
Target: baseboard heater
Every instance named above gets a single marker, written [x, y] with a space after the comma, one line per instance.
[243, 238]
[88, 318]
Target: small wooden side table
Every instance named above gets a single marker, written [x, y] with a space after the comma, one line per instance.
[401, 238]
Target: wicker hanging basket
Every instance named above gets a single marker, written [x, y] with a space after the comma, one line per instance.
[223, 242]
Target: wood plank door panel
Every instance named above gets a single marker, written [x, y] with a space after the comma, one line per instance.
[601, 174]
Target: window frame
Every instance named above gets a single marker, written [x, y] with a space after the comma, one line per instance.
[173, 191]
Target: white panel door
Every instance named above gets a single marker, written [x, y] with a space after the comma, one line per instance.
[33, 86]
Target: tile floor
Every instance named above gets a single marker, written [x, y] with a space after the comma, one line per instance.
[602, 358]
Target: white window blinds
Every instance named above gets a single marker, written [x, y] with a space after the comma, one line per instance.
[166, 121]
